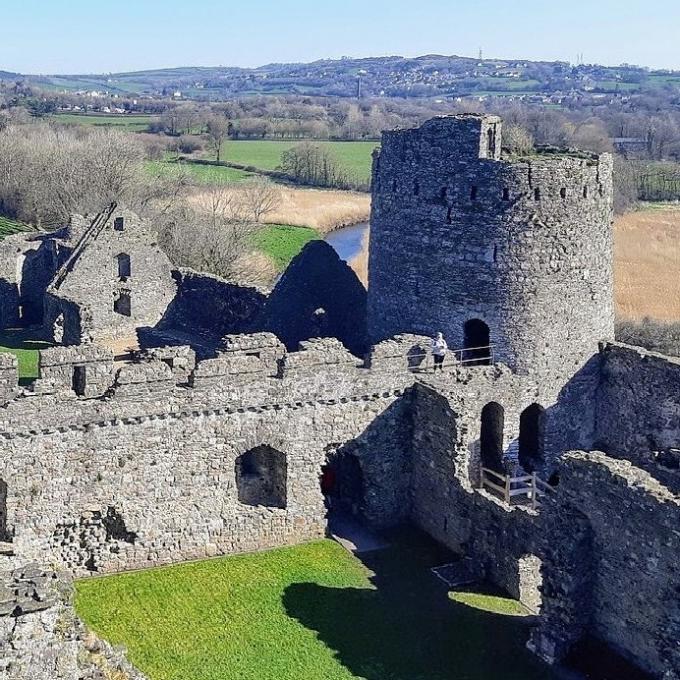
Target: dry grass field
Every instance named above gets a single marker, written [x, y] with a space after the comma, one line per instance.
[647, 264]
[321, 209]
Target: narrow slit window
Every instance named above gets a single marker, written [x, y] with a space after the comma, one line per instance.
[563, 193]
[537, 194]
[473, 193]
[506, 194]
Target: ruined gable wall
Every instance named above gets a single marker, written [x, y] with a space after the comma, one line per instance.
[96, 281]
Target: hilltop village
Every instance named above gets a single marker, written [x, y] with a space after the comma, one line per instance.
[178, 416]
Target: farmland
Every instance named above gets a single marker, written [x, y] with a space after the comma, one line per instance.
[132, 123]
[355, 157]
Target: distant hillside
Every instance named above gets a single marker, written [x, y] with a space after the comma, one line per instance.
[426, 76]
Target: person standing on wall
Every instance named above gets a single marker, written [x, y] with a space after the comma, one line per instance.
[439, 348]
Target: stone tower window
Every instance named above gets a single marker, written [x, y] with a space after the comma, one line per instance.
[476, 350]
[563, 193]
[119, 223]
[537, 194]
[448, 214]
[491, 436]
[394, 186]
[443, 193]
[473, 193]
[416, 188]
[531, 433]
[4, 534]
[261, 477]
[79, 380]
[491, 142]
[123, 304]
[585, 192]
[124, 266]
[506, 194]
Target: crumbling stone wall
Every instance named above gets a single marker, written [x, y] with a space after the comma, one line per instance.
[523, 245]
[41, 637]
[630, 577]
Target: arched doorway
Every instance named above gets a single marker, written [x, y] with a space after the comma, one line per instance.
[531, 434]
[342, 483]
[261, 477]
[491, 436]
[476, 350]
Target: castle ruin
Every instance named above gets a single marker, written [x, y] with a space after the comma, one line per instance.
[544, 451]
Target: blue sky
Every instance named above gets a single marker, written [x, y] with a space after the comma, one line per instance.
[80, 36]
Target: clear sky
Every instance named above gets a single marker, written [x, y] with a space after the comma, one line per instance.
[98, 36]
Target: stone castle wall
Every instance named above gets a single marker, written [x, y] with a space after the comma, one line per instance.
[523, 245]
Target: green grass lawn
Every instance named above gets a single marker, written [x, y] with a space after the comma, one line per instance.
[282, 242]
[266, 154]
[133, 123]
[201, 174]
[22, 343]
[311, 612]
[8, 226]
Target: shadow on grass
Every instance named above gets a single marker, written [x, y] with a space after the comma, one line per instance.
[408, 628]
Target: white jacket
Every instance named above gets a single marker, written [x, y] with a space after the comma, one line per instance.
[439, 347]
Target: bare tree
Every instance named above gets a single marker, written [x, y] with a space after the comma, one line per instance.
[257, 198]
[217, 129]
[518, 140]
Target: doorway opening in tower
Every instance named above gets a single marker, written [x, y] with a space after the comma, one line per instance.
[491, 436]
[531, 435]
[477, 344]
[342, 484]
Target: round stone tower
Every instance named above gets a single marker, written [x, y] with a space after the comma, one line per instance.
[514, 252]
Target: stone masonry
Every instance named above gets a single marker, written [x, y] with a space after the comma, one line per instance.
[184, 452]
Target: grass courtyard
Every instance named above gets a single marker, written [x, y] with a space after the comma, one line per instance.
[282, 242]
[311, 612]
[22, 343]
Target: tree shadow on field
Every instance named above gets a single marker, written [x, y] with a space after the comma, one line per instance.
[407, 627]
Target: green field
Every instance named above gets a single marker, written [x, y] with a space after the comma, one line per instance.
[200, 174]
[282, 242]
[312, 612]
[131, 123]
[22, 343]
[8, 226]
[266, 154]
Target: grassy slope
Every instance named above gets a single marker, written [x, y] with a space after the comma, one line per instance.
[282, 242]
[311, 612]
[8, 226]
[201, 174]
[266, 154]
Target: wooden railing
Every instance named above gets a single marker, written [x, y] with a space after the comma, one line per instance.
[530, 487]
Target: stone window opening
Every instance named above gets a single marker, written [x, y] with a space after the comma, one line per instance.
[491, 142]
[448, 214]
[124, 266]
[394, 186]
[58, 330]
[476, 343]
[443, 194]
[4, 533]
[473, 193]
[563, 193]
[491, 436]
[537, 194]
[506, 194]
[119, 224]
[416, 189]
[531, 437]
[261, 477]
[79, 380]
[122, 304]
[585, 192]
[600, 190]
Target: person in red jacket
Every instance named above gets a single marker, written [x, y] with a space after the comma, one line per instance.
[328, 479]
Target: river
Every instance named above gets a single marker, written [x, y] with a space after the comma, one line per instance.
[347, 240]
